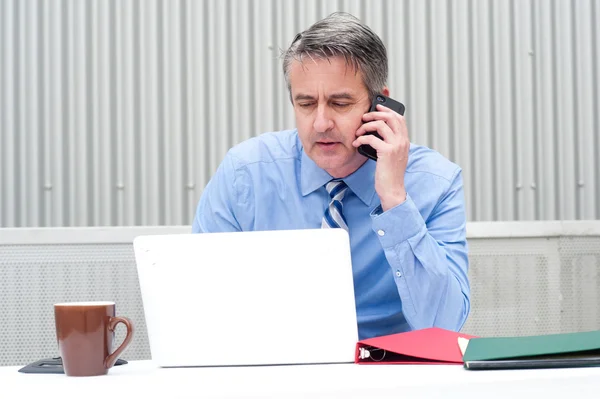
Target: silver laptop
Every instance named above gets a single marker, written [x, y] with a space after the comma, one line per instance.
[248, 298]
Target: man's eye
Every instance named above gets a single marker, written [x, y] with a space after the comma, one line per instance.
[305, 105]
[340, 105]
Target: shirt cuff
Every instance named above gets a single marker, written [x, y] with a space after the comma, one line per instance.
[397, 224]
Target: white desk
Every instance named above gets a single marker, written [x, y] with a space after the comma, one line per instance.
[141, 379]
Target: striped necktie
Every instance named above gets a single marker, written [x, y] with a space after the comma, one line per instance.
[333, 214]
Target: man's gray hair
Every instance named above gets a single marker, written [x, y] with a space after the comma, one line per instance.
[342, 35]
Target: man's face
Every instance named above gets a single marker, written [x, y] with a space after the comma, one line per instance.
[329, 100]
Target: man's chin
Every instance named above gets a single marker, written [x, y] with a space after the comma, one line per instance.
[328, 164]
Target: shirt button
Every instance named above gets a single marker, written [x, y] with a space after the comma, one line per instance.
[398, 274]
[381, 233]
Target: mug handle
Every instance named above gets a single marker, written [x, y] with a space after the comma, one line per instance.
[112, 324]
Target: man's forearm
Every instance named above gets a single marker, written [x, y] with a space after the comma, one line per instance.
[430, 273]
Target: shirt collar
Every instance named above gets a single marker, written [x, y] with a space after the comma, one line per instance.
[361, 182]
[312, 177]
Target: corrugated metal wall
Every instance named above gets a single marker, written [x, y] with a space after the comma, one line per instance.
[116, 112]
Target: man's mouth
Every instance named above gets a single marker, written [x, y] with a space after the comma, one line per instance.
[327, 143]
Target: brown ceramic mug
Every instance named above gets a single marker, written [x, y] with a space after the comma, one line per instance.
[85, 332]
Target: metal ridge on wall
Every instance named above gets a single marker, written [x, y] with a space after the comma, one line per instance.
[118, 112]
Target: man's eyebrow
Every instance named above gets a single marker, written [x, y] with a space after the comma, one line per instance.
[342, 96]
[303, 97]
[335, 96]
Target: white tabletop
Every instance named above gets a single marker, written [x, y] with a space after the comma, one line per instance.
[140, 379]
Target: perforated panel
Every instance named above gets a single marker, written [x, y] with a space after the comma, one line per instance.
[34, 277]
[580, 283]
[524, 286]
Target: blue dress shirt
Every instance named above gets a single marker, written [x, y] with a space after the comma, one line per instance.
[409, 263]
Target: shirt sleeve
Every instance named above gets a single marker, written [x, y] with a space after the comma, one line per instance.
[219, 204]
[429, 258]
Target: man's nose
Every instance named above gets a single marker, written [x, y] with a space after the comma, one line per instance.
[323, 121]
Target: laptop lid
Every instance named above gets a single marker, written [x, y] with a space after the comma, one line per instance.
[248, 298]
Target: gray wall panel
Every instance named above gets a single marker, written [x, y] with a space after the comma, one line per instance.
[118, 112]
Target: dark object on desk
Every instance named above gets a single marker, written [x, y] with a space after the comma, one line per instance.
[52, 366]
[541, 351]
[543, 362]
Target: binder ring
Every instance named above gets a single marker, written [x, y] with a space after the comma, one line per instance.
[377, 350]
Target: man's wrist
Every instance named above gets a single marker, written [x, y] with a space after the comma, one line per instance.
[392, 201]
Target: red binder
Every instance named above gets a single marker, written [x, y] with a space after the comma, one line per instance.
[426, 346]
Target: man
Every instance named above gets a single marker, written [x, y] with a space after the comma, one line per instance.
[404, 212]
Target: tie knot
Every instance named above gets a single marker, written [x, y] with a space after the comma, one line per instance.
[336, 189]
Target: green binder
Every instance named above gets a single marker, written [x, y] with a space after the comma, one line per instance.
[543, 351]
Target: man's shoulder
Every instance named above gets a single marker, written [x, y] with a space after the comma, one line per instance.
[266, 148]
[423, 159]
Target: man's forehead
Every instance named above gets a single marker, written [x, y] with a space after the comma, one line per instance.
[334, 78]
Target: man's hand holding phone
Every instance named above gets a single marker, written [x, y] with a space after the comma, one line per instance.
[392, 147]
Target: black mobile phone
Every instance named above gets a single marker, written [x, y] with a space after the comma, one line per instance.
[392, 104]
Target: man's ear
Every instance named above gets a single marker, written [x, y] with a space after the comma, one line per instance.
[385, 91]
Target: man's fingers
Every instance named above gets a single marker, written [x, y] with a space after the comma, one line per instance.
[394, 120]
[373, 141]
[379, 126]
